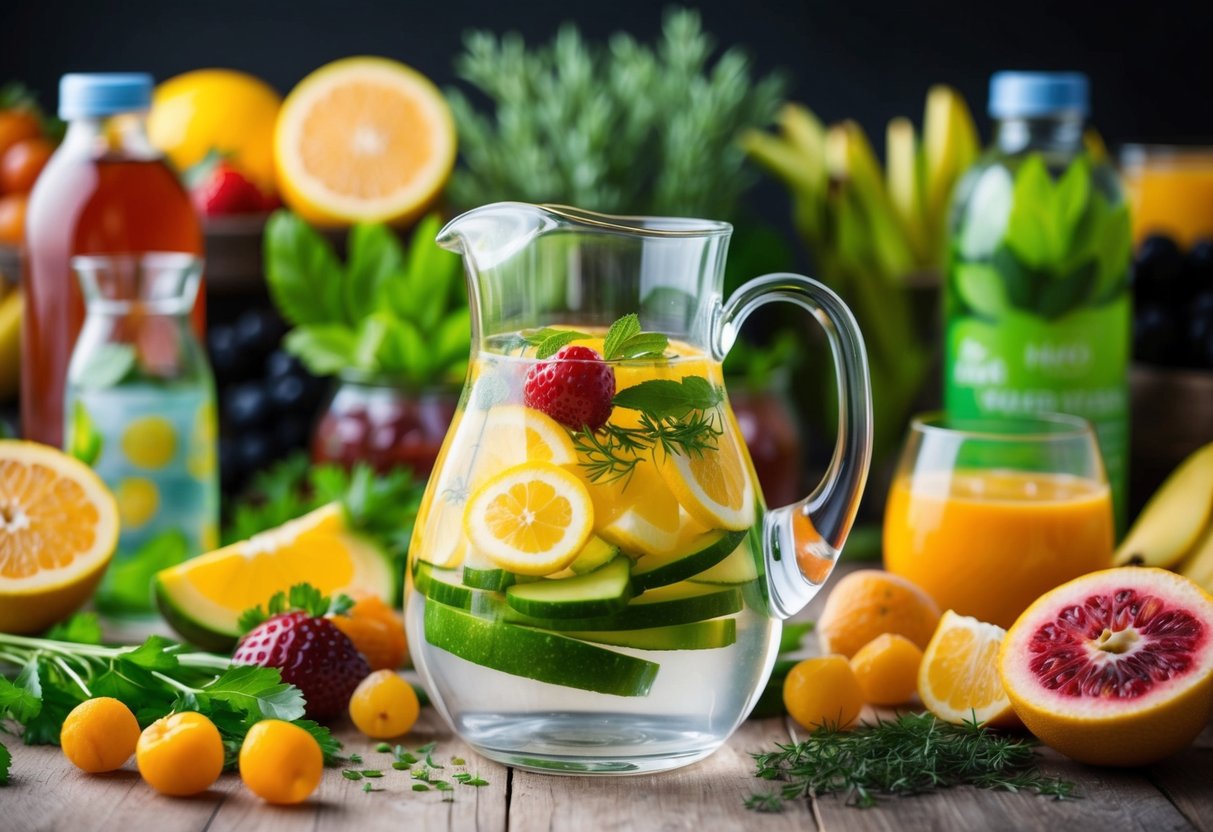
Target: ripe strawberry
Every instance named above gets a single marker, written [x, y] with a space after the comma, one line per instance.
[220, 190]
[575, 388]
[313, 655]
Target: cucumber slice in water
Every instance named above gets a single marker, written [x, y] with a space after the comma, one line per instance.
[480, 572]
[598, 593]
[706, 550]
[738, 568]
[535, 654]
[681, 603]
[699, 635]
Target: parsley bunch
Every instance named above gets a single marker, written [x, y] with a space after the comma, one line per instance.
[153, 679]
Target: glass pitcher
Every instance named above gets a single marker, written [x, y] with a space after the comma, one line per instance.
[595, 584]
[140, 409]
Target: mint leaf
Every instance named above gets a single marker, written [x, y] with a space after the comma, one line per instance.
[302, 272]
[81, 628]
[375, 255]
[106, 365]
[1032, 231]
[644, 345]
[554, 342]
[19, 700]
[425, 290]
[620, 331]
[668, 399]
[6, 761]
[324, 349]
[982, 288]
[1070, 197]
[257, 692]
[1065, 294]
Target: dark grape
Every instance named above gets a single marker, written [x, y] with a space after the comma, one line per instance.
[258, 331]
[282, 363]
[231, 473]
[255, 451]
[1200, 263]
[292, 433]
[247, 406]
[224, 354]
[1158, 269]
[288, 394]
[1155, 335]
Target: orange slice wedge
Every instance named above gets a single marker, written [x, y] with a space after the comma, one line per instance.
[58, 531]
[363, 140]
[958, 678]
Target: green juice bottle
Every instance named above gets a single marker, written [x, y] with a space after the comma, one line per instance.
[1037, 300]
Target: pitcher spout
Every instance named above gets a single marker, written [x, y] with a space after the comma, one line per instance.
[492, 234]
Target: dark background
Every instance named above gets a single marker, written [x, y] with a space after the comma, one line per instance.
[1150, 61]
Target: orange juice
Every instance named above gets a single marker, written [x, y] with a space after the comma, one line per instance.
[987, 543]
[1170, 191]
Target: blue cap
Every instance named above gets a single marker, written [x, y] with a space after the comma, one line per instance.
[1038, 94]
[85, 94]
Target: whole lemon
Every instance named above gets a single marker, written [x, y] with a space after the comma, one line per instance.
[223, 110]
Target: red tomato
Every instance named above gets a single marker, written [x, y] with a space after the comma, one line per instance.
[16, 125]
[21, 164]
[12, 218]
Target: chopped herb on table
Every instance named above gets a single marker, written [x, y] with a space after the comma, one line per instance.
[912, 754]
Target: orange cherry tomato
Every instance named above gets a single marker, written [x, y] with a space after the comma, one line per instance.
[16, 125]
[21, 164]
[12, 218]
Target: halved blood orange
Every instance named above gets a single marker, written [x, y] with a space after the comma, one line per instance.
[58, 531]
[1115, 667]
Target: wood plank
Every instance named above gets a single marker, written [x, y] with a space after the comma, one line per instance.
[706, 795]
[1185, 779]
[48, 793]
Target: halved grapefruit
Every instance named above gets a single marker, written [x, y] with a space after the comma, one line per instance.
[1114, 668]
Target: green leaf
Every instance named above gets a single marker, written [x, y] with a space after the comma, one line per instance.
[258, 692]
[793, 635]
[668, 399]
[153, 654]
[1032, 231]
[128, 582]
[324, 349]
[19, 700]
[350, 774]
[452, 341]
[394, 348]
[1062, 295]
[375, 255]
[106, 365]
[6, 762]
[1020, 283]
[1070, 197]
[81, 628]
[620, 331]
[330, 746]
[302, 272]
[85, 442]
[982, 288]
[644, 345]
[555, 342]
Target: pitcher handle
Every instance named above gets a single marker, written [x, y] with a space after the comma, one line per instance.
[802, 541]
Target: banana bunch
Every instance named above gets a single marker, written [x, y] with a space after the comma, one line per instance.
[1175, 529]
[873, 230]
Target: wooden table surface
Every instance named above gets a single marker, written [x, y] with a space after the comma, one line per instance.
[47, 793]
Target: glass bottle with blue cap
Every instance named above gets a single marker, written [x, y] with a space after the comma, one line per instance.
[106, 190]
[1038, 309]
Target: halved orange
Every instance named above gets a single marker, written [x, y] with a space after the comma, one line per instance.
[958, 678]
[363, 140]
[203, 598]
[58, 532]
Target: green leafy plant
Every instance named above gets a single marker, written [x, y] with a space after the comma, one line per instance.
[912, 754]
[623, 127]
[1063, 245]
[153, 679]
[384, 313]
[302, 598]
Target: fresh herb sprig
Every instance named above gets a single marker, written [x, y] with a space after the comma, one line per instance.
[153, 679]
[624, 340]
[676, 417]
[912, 754]
[303, 597]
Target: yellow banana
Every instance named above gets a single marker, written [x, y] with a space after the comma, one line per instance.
[10, 343]
[950, 146]
[902, 182]
[1198, 565]
[1170, 525]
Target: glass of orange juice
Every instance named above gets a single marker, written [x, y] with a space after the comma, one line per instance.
[988, 515]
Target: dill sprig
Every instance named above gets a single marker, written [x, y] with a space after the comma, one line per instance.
[613, 452]
[912, 754]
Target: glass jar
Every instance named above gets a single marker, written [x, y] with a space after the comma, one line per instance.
[140, 408]
[383, 422]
